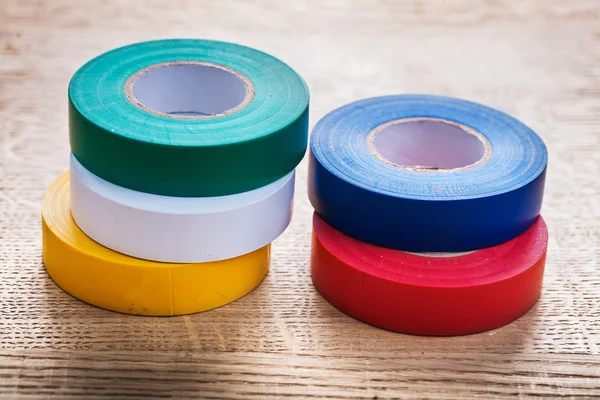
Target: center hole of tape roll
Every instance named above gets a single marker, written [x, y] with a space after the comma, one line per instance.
[441, 254]
[189, 90]
[428, 144]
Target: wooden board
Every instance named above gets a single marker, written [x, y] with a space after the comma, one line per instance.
[537, 60]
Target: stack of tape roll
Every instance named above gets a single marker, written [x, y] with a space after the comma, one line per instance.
[427, 214]
[181, 176]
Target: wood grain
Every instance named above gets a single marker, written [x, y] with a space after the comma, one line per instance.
[537, 60]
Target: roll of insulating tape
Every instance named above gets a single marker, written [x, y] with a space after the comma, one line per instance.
[179, 229]
[111, 280]
[188, 118]
[423, 294]
[426, 173]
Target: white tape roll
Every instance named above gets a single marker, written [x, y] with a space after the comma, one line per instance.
[179, 229]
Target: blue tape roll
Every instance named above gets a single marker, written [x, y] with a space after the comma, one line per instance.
[482, 205]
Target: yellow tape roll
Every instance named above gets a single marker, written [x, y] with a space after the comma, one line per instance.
[111, 280]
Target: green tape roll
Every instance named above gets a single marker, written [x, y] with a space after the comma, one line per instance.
[188, 118]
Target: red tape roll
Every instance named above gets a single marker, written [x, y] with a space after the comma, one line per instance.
[410, 293]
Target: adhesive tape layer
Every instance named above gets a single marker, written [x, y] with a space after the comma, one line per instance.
[107, 279]
[423, 295]
[179, 229]
[460, 209]
[178, 152]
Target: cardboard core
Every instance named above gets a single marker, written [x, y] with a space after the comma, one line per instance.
[428, 144]
[189, 90]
